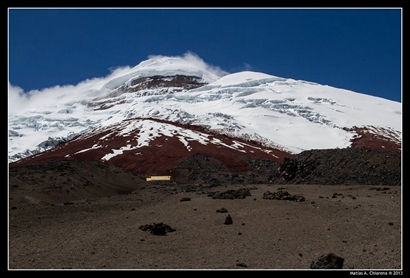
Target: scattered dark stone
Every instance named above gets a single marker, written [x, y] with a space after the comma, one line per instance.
[243, 224]
[68, 203]
[239, 233]
[329, 261]
[391, 223]
[300, 255]
[142, 239]
[313, 202]
[379, 188]
[228, 220]
[13, 208]
[241, 265]
[231, 194]
[185, 199]
[133, 209]
[344, 241]
[92, 253]
[195, 209]
[337, 194]
[282, 195]
[222, 210]
[321, 197]
[158, 229]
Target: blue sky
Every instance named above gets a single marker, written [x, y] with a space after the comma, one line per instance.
[355, 49]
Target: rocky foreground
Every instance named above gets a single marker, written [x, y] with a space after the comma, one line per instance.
[170, 226]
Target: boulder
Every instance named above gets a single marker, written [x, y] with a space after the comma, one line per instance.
[228, 220]
[329, 261]
[231, 194]
[222, 210]
[159, 229]
[282, 195]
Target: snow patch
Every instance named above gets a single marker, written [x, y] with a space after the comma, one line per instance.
[116, 152]
[95, 146]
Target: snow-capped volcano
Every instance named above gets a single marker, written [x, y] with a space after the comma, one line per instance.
[189, 65]
[278, 113]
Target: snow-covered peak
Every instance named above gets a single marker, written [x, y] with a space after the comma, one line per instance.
[245, 77]
[292, 115]
[189, 65]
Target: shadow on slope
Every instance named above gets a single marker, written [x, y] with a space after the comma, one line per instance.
[66, 181]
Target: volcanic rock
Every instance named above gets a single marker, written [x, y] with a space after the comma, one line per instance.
[282, 195]
[222, 210]
[232, 194]
[241, 265]
[158, 229]
[228, 220]
[329, 261]
[335, 195]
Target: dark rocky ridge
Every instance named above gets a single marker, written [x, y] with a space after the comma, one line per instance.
[66, 180]
[152, 82]
[342, 166]
[176, 82]
[143, 85]
[331, 166]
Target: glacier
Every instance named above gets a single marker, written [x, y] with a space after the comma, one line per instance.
[291, 115]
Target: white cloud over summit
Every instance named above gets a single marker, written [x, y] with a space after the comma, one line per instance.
[190, 63]
[194, 60]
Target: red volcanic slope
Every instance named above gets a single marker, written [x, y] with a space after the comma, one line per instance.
[151, 146]
[375, 138]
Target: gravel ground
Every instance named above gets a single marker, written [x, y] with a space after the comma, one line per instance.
[361, 224]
